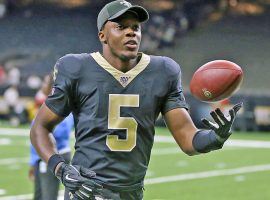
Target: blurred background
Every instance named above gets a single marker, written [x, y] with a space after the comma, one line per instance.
[35, 33]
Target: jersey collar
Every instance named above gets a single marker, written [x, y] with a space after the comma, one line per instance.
[123, 78]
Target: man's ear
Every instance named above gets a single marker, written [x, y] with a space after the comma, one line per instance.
[102, 37]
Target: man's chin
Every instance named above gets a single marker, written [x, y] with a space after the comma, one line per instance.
[129, 55]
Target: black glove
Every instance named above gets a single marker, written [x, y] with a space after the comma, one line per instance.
[101, 194]
[222, 125]
[75, 177]
[89, 189]
[86, 192]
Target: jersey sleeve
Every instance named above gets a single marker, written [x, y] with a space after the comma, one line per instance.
[175, 97]
[60, 99]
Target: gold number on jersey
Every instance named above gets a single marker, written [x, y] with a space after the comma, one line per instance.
[115, 121]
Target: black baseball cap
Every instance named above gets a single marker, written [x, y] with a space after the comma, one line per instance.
[117, 8]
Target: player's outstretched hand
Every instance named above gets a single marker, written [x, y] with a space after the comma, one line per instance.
[222, 125]
[74, 177]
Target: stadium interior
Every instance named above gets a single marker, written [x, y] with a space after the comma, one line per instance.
[34, 34]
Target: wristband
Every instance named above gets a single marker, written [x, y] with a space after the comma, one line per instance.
[205, 141]
[53, 161]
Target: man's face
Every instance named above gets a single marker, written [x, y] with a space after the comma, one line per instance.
[122, 36]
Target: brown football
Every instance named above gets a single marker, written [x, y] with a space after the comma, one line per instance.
[216, 80]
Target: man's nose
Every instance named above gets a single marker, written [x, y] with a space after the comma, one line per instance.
[130, 32]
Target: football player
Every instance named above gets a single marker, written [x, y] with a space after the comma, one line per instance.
[116, 96]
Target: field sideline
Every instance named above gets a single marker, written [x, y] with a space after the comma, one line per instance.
[240, 171]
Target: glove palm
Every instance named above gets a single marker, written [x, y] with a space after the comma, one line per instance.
[222, 125]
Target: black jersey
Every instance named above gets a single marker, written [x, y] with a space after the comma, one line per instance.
[115, 112]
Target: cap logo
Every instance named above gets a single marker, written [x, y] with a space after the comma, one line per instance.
[125, 3]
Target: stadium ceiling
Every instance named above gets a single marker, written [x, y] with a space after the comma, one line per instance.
[243, 6]
[151, 4]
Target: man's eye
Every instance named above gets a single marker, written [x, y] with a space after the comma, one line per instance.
[136, 28]
[120, 27]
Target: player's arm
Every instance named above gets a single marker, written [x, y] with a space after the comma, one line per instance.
[191, 140]
[182, 128]
[76, 178]
[43, 125]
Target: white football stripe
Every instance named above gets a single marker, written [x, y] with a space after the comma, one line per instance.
[180, 177]
[230, 142]
[29, 196]
[9, 161]
[207, 174]
[248, 143]
[166, 151]
[14, 131]
[5, 141]
[2, 191]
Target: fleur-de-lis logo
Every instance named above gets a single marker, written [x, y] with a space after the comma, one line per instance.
[55, 72]
[52, 91]
[125, 3]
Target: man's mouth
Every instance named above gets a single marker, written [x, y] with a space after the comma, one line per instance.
[131, 44]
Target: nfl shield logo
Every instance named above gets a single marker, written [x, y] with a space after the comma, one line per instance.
[125, 3]
[124, 80]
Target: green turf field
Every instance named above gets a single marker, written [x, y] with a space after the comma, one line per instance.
[240, 171]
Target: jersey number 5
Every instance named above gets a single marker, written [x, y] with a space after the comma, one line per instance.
[115, 121]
